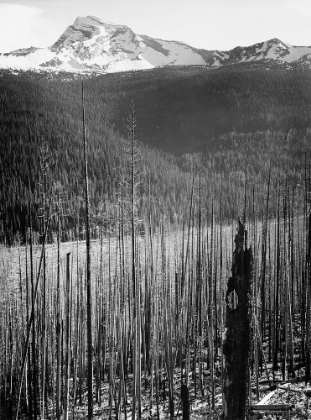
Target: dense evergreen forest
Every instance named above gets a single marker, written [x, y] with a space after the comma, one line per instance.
[218, 129]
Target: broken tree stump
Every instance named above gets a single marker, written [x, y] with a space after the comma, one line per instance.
[236, 340]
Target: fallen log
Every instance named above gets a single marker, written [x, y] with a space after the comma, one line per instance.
[273, 408]
[266, 398]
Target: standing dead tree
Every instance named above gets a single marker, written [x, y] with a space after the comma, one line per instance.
[236, 345]
[88, 273]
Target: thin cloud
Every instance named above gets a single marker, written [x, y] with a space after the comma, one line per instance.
[17, 25]
[302, 7]
[25, 26]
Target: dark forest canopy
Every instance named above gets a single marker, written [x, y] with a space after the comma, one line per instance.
[218, 127]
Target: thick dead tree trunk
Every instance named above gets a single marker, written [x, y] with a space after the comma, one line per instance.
[236, 345]
[185, 402]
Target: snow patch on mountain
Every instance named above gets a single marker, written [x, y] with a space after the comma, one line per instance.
[179, 54]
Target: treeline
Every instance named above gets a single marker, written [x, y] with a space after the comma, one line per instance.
[234, 124]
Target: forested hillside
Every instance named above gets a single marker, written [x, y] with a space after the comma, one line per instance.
[213, 130]
[187, 109]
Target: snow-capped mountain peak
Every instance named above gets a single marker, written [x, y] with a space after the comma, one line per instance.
[87, 29]
[90, 44]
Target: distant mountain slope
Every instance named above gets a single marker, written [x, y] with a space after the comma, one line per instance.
[188, 109]
[91, 45]
[240, 117]
[274, 49]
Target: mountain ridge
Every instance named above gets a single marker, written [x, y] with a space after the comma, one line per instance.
[91, 45]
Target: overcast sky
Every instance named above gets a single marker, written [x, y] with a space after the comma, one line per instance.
[208, 24]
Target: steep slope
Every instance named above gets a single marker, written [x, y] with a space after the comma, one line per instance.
[91, 45]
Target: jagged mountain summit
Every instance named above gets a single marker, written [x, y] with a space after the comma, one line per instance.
[91, 45]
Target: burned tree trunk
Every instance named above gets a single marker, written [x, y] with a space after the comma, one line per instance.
[236, 344]
[185, 402]
[308, 310]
